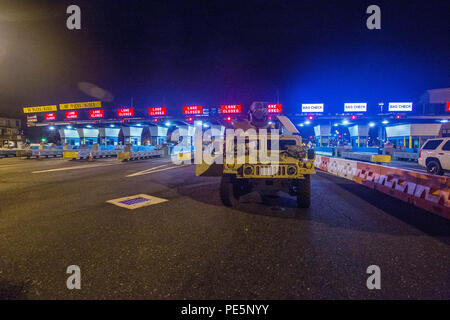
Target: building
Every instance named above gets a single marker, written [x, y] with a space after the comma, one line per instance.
[10, 133]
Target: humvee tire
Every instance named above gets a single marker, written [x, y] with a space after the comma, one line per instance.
[304, 192]
[229, 193]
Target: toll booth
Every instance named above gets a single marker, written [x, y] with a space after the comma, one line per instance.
[412, 136]
[359, 135]
[132, 135]
[70, 137]
[158, 135]
[88, 136]
[322, 135]
[109, 136]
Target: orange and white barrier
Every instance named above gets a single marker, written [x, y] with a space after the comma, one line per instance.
[426, 191]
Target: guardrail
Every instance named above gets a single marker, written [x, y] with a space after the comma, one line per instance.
[85, 154]
[369, 157]
[423, 190]
[137, 155]
[7, 153]
[399, 155]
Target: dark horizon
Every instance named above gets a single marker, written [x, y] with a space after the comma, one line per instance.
[221, 52]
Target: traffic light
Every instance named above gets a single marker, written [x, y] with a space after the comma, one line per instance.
[311, 118]
[353, 117]
[190, 119]
[398, 116]
[228, 119]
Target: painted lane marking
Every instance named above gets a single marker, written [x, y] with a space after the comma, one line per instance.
[146, 171]
[140, 173]
[78, 167]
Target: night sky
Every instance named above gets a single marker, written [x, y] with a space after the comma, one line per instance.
[216, 52]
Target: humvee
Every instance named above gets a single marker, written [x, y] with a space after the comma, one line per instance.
[290, 174]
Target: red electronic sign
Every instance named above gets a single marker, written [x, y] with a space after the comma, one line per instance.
[274, 108]
[96, 113]
[72, 115]
[192, 110]
[447, 107]
[157, 111]
[125, 112]
[50, 116]
[230, 108]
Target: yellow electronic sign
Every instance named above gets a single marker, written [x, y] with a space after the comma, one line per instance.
[40, 109]
[80, 105]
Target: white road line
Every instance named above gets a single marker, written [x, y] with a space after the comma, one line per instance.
[154, 171]
[146, 171]
[87, 166]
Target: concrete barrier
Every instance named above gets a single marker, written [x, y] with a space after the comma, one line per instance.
[136, 155]
[426, 191]
[369, 157]
[411, 156]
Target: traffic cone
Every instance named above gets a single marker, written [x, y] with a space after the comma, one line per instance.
[90, 156]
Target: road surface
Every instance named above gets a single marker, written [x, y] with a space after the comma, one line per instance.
[53, 214]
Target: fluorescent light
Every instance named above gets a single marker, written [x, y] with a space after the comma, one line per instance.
[371, 124]
[307, 122]
[444, 121]
[345, 122]
[385, 122]
[51, 128]
[167, 124]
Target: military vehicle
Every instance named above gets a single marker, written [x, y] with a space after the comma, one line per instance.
[290, 173]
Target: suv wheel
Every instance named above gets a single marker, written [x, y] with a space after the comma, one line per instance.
[434, 167]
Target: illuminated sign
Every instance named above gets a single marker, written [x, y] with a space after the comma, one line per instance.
[312, 107]
[355, 107]
[50, 116]
[274, 108]
[80, 105]
[125, 112]
[72, 115]
[40, 109]
[157, 111]
[192, 110]
[32, 118]
[230, 108]
[96, 113]
[400, 106]
[447, 107]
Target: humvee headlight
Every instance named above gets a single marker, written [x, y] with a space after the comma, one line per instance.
[248, 171]
[291, 170]
[308, 165]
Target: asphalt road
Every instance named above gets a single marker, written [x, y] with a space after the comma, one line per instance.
[53, 213]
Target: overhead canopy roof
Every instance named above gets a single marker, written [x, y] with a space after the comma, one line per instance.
[436, 96]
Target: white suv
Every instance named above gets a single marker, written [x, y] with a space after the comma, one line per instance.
[435, 155]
